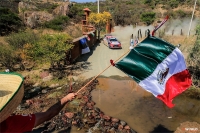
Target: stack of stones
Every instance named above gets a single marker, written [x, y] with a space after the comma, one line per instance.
[88, 117]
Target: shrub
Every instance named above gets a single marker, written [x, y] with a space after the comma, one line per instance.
[147, 1]
[180, 13]
[49, 7]
[9, 21]
[18, 40]
[51, 48]
[148, 17]
[193, 92]
[173, 3]
[57, 23]
[7, 56]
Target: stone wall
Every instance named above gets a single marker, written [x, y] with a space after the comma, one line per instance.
[76, 51]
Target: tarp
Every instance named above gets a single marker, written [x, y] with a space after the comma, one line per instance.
[84, 46]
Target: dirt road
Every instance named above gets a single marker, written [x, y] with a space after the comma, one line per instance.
[100, 57]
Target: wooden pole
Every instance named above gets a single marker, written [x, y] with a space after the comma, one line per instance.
[192, 17]
[101, 72]
[104, 70]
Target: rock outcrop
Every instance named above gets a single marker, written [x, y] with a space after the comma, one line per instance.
[22, 7]
[32, 16]
[62, 9]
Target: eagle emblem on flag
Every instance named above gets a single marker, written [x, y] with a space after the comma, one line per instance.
[162, 75]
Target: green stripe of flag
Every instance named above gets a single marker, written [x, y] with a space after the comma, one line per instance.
[143, 59]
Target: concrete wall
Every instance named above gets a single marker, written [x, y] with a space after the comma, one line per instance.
[76, 51]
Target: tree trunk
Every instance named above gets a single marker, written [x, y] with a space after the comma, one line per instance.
[98, 34]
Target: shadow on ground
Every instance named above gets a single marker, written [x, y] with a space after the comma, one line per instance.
[82, 62]
[85, 57]
[160, 129]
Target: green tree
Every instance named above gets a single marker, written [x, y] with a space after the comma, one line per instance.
[148, 17]
[51, 48]
[99, 20]
[121, 15]
[9, 21]
[75, 12]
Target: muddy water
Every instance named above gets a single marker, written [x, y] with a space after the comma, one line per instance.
[125, 100]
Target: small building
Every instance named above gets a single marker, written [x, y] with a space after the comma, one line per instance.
[86, 26]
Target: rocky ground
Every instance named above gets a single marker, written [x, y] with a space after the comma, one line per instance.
[81, 112]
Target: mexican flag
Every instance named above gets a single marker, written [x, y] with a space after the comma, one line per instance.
[158, 67]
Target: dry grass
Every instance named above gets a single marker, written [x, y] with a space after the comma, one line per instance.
[186, 42]
[46, 31]
[183, 40]
[73, 30]
[2, 41]
[184, 8]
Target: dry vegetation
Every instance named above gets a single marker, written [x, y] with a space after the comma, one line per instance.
[187, 42]
[2, 40]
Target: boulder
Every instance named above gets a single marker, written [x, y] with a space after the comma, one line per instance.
[33, 18]
[62, 9]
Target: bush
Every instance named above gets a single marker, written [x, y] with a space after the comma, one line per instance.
[147, 1]
[49, 7]
[51, 48]
[7, 56]
[180, 13]
[193, 92]
[57, 23]
[18, 40]
[173, 3]
[148, 17]
[9, 21]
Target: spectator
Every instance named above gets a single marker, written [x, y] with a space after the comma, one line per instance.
[136, 41]
[11, 95]
[7, 70]
[131, 44]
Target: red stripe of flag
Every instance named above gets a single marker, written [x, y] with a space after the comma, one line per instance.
[175, 85]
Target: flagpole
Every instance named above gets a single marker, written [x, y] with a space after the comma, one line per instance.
[104, 70]
[192, 17]
[101, 72]
[98, 6]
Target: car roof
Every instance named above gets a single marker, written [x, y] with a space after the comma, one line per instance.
[113, 38]
[108, 34]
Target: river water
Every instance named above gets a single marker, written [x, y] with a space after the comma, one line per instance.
[125, 100]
